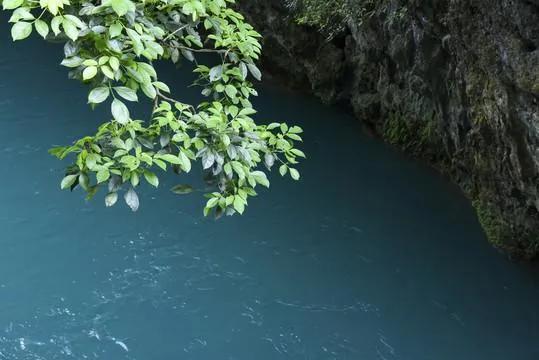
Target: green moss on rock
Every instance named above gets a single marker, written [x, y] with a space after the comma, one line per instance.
[516, 243]
[496, 230]
[405, 130]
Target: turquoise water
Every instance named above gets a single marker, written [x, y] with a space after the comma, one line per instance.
[371, 256]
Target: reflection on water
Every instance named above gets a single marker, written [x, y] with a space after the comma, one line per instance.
[370, 256]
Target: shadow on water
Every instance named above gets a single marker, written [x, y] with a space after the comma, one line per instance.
[370, 256]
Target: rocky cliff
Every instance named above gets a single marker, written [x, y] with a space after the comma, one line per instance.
[455, 82]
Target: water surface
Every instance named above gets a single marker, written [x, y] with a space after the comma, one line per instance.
[370, 256]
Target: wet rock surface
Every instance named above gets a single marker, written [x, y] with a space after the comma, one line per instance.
[453, 82]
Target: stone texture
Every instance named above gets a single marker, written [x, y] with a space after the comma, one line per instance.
[455, 82]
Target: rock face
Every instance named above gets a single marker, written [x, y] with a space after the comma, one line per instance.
[453, 81]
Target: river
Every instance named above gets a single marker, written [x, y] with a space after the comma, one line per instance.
[370, 256]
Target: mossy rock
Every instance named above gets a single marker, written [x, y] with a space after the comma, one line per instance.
[412, 134]
[496, 229]
[518, 243]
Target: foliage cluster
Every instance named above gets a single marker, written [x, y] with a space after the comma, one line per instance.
[331, 17]
[111, 45]
[327, 16]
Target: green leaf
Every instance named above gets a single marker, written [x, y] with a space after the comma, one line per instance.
[21, 30]
[90, 62]
[247, 112]
[216, 73]
[173, 159]
[212, 202]
[231, 91]
[55, 24]
[161, 164]
[294, 136]
[188, 55]
[84, 181]
[298, 152]
[120, 112]
[135, 179]
[283, 170]
[121, 7]
[131, 199]
[52, 5]
[239, 204]
[243, 70]
[107, 71]
[70, 29]
[206, 211]
[91, 161]
[42, 28]
[89, 73]
[58, 152]
[233, 110]
[151, 178]
[254, 71]
[228, 169]
[114, 63]
[182, 189]
[75, 20]
[21, 14]
[261, 178]
[115, 29]
[238, 168]
[161, 86]
[185, 163]
[111, 199]
[98, 95]
[72, 62]
[102, 175]
[103, 60]
[149, 90]
[11, 4]
[68, 181]
[294, 174]
[127, 93]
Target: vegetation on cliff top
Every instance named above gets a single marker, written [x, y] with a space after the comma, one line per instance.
[111, 45]
[330, 17]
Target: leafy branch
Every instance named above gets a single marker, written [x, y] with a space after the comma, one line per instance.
[111, 45]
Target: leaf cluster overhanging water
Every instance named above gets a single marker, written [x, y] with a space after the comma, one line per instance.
[111, 44]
